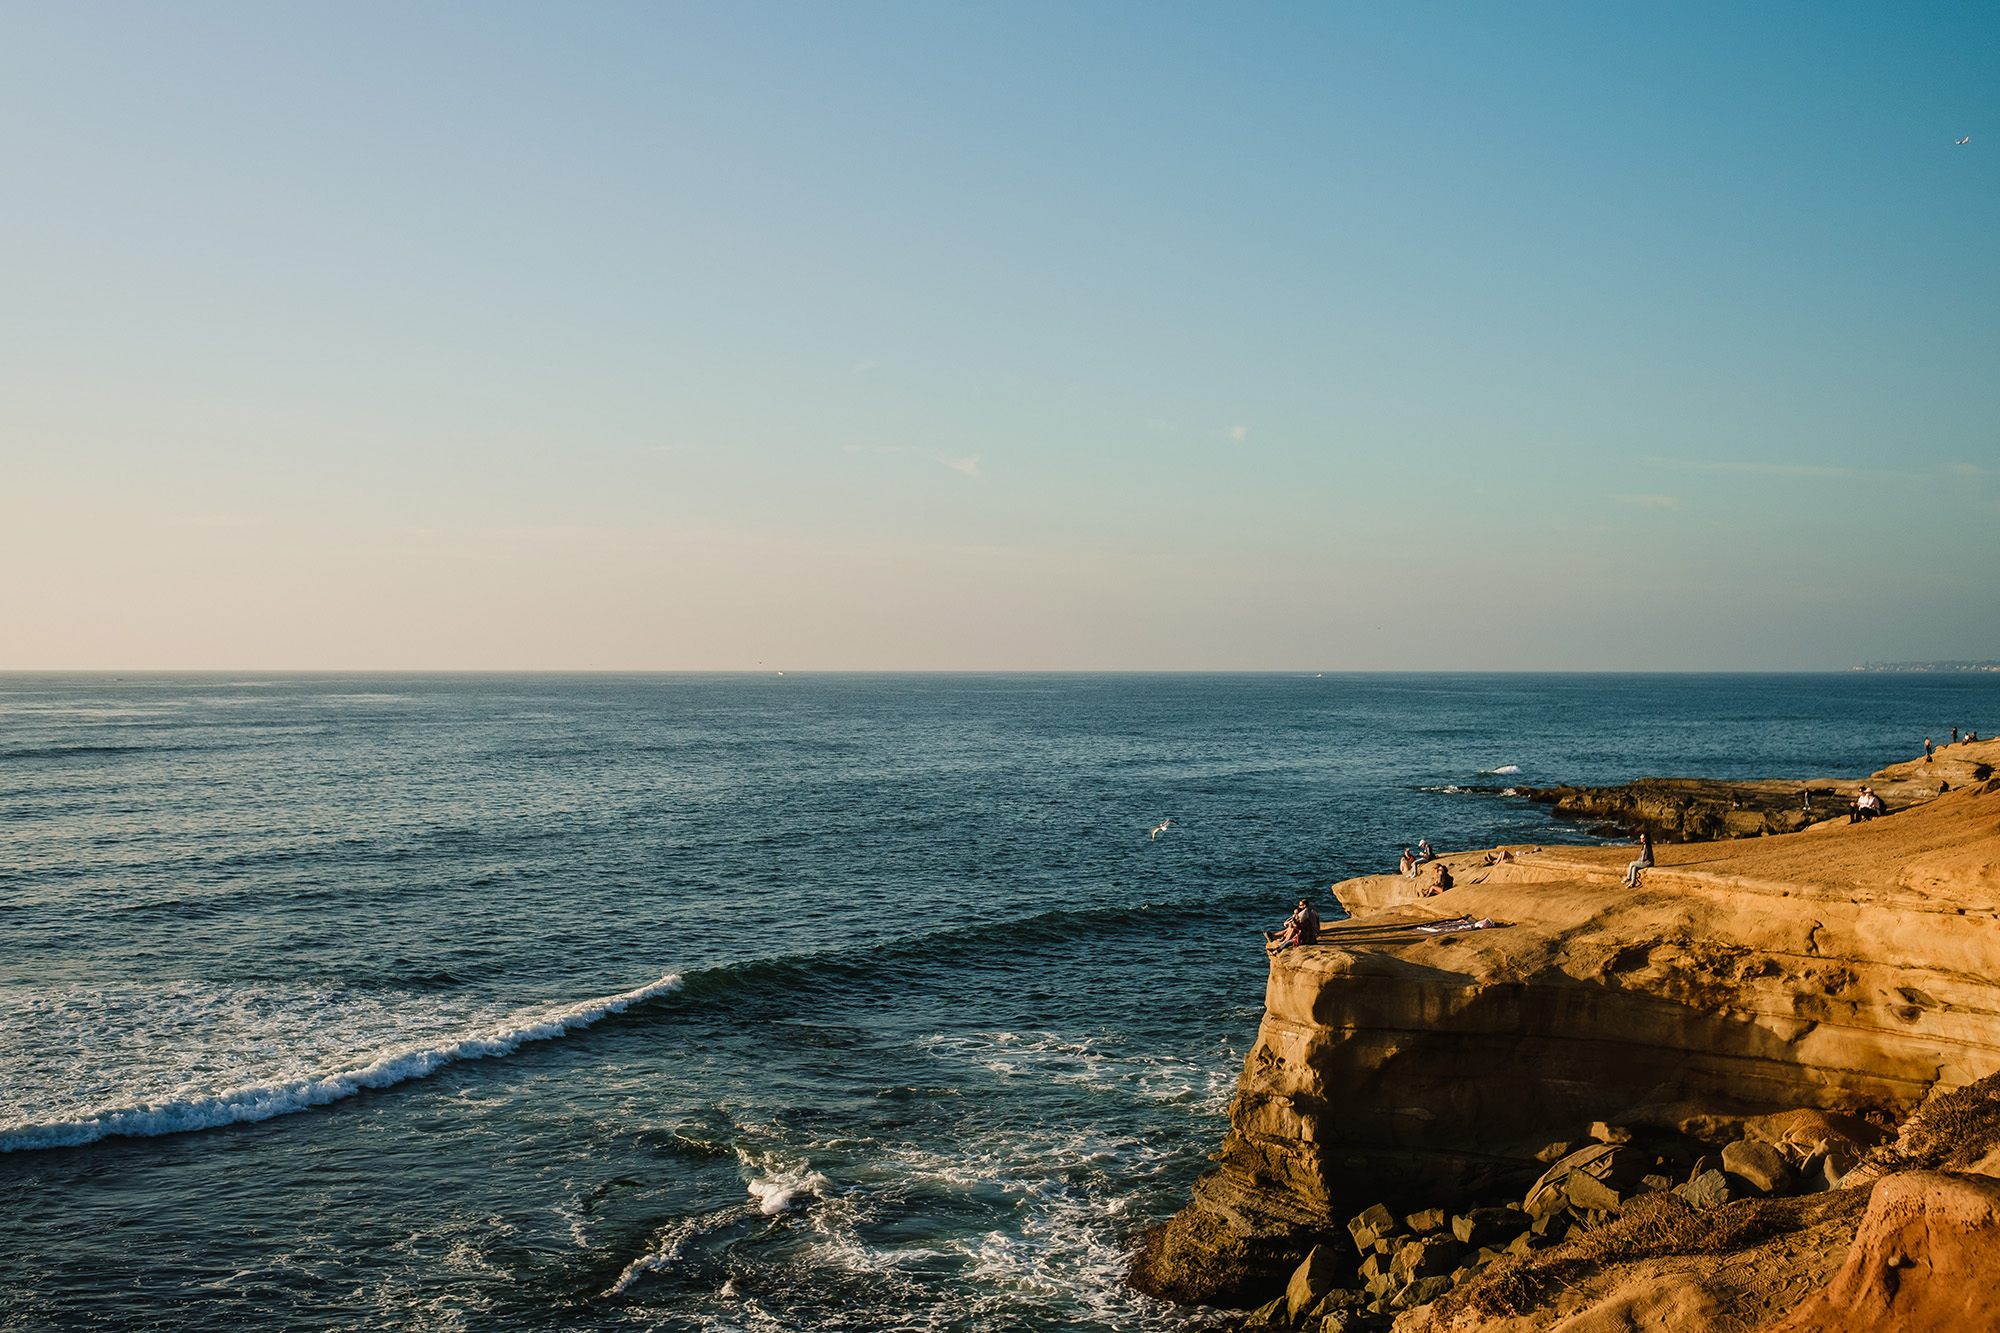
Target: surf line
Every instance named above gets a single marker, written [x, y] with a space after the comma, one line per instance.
[262, 1101]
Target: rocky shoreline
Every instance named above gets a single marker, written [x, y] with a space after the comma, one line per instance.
[1708, 810]
[1724, 1053]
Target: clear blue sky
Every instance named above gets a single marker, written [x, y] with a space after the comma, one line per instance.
[1025, 336]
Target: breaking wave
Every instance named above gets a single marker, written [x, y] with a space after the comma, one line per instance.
[262, 1101]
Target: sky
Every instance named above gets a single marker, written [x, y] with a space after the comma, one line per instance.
[867, 336]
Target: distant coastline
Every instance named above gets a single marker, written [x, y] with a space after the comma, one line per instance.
[1927, 666]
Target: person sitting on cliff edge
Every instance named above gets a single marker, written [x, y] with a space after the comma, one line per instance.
[1866, 806]
[1424, 852]
[1302, 927]
[1644, 861]
[1407, 867]
[1440, 882]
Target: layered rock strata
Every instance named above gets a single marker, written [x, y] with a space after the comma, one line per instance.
[1848, 968]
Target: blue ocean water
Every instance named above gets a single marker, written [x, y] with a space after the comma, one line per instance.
[721, 1002]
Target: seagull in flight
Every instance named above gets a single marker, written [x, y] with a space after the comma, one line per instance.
[1160, 828]
[1966, 139]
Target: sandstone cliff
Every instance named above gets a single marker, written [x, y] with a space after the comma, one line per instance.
[1844, 967]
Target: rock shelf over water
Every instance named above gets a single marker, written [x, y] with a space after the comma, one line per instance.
[1849, 970]
[1706, 810]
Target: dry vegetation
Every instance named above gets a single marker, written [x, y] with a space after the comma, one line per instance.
[1954, 1130]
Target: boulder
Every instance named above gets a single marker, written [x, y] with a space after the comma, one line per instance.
[1489, 1226]
[1340, 1298]
[1591, 1194]
[1760, 1166]
[1271, 1314]
[1552, 1226]
[1371, 1225]
[1433, 1256]
[1315, 1276]
[1426, 1289]
[1429, 1220]
[1615, 1165]
[1605, 1133]
[1926, 1259]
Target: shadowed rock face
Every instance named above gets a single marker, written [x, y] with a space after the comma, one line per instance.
[1846, 968]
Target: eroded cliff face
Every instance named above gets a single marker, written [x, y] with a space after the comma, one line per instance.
[1846, 967]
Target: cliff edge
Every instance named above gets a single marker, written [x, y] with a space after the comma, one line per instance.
[1849, 968]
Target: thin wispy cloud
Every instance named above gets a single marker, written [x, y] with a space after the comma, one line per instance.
[969, 466]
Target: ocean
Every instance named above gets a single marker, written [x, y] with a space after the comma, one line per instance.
[729, 1002]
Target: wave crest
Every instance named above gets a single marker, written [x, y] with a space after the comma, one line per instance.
[262, 1101]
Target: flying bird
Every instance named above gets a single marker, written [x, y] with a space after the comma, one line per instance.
[1160, 828]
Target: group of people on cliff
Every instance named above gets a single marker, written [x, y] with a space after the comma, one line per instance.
[1930, 750]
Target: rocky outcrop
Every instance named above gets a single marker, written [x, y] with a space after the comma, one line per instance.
[1846, 969]
[1926, 1260]
[1706, 810]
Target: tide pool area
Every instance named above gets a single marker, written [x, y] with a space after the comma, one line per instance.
[718, 1002]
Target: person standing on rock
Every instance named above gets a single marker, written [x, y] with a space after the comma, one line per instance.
[1644, 861]
[1927, 749]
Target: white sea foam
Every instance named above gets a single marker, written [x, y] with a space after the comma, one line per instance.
[774, 1193]
[1089, 1060]
[189, 1046]
[774, 1184]
[1506, 768]
[667, 1245]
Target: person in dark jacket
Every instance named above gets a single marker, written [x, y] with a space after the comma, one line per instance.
[1644, 861]
[1302, 927]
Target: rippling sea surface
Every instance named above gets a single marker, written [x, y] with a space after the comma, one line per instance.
[719, 1002]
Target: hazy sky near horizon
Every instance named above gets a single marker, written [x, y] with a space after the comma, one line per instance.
[1122, 336]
